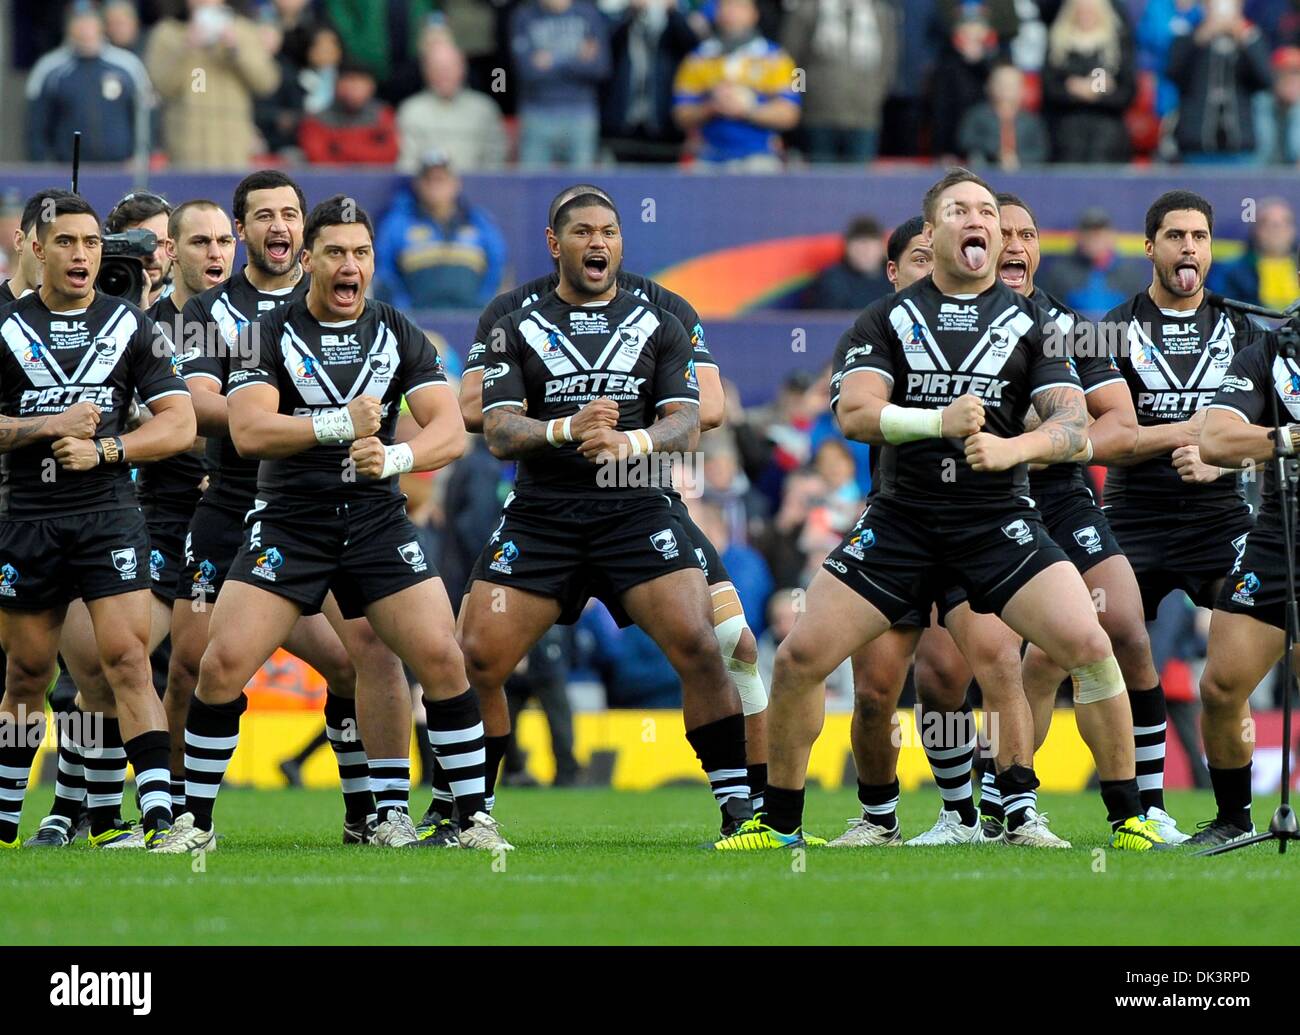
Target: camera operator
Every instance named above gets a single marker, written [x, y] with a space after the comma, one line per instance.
[142, 210]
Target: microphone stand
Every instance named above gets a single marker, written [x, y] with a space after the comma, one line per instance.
[1283, 826]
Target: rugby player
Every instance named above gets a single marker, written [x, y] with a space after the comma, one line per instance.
[739, 647]
[27, 274]
[1247, 629]
[605, 377]
[962, 339]
[73, 361]
[319, 405]
[942, 676]
[220, 325]
[1073, 519]
[1181, 522]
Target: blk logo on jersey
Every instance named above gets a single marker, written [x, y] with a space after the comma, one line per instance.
[1019, 532]
[666, 543]
[505, 557]
[1089, 538]
[126, 562]
[8, 579]
[413, 555]
[1245, 589]
[267, 563]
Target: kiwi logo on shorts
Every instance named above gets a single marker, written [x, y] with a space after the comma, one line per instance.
[1019, 531]
[1089, 538]
[413, 555]
[666, 543]
[125, 562]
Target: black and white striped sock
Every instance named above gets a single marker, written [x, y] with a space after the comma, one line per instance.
[720, 747]
[70, 783]
[456, 736]
[350, 753]
[441, 802]
[149, 754]
[991, 797]
[18, 745]
[211, 736]
[1017, 784]
[1150, 722]
[104, 762]
[949, 739]
[390, 782]
[178, 794]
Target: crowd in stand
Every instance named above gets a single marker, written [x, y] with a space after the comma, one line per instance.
[739, 84]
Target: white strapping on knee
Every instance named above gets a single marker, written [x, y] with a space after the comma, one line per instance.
[749, 684]
[1097, 681]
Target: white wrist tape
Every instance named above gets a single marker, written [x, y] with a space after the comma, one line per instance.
[333, 427]
[559, 431]
[398, 459]
[1286, 443]
[639, 442]
[1088, 456]
[899, 424]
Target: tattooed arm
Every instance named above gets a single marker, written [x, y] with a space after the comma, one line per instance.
[77, 421]
[674, 432]
[510, 435]
[1061, 434]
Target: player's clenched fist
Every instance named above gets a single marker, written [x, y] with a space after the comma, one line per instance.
[77, 421]
[368, 456]
[985, 452]
[1187, 462]
[365, 411]
[597, 414]
[75, 454]
[963, 416]
[603, 444]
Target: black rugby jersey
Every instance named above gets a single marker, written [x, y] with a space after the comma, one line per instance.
[7, 294]
[558, 357]
[170, 485]
[106, 354]
[527, 295]
[323, 366]
[1257, 372]
[1174, 363]
[1094, 367]
[218, 328]
[931, 348]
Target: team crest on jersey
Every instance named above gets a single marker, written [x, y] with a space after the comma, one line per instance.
[105, 346]
[307, 368]
[125, 562]
[1089, 538]
[156, 564]
[413, 555]
[1245, 589]
[552, 346]
[8, 579]
[860, 541]
[504, 559]
[1019, 531]
[381, 364]
[666, 543]
[629, 340]
[268, 561]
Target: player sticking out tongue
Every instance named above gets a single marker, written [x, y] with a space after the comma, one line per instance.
[974, 250]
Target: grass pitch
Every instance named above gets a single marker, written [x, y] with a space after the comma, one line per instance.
[599, 866]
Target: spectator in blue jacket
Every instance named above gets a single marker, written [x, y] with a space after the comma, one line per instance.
[88, 85]
[561, 56]
[435, 250]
